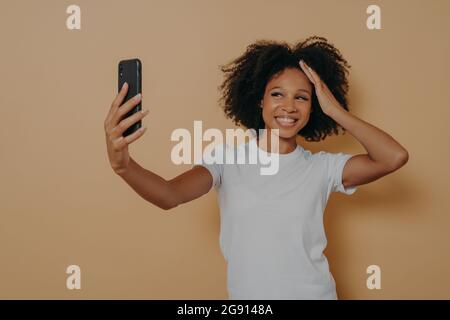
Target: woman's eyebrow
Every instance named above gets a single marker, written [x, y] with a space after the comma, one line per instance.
[307, 91]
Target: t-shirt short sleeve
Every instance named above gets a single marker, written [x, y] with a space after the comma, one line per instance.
[335, 166]
[215, 168]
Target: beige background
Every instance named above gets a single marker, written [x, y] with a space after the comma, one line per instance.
[61, 203]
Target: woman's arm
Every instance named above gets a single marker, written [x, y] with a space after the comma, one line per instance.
[384, 154]
[167, 194]
[153, 188]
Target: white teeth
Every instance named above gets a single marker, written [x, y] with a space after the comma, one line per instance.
[285, 119]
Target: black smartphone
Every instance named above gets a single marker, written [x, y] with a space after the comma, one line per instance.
[130, 71]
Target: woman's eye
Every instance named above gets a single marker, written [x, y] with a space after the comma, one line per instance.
[275, 94]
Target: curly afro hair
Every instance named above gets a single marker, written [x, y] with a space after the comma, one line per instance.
[247, 76]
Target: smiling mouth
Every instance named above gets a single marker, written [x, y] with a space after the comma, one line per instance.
[287, 122]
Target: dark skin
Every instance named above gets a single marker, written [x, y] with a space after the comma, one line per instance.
[165, 194]
[291, 99]
[384, 154]
[288, 94]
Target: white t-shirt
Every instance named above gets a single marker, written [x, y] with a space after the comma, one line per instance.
[271, 226]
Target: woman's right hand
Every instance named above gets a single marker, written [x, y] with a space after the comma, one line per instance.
[117, 145]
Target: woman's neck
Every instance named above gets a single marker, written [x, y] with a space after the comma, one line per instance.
[267, 142]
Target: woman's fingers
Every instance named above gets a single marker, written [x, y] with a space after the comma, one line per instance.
[125, 108]
[124, 124]
[134, 136]
[308, 71]
[115, 105]
[120, 96]
[121, 142]
[118, 99]
[313, 74]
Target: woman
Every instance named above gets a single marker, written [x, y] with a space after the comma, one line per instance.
[272, 233]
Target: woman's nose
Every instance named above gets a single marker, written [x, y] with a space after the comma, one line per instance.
[288, 107]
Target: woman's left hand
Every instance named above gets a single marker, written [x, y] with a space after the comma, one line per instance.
[326, 99]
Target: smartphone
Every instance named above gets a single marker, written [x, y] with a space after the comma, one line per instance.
[130, 71]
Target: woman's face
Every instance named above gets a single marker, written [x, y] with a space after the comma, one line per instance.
[287, 102]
